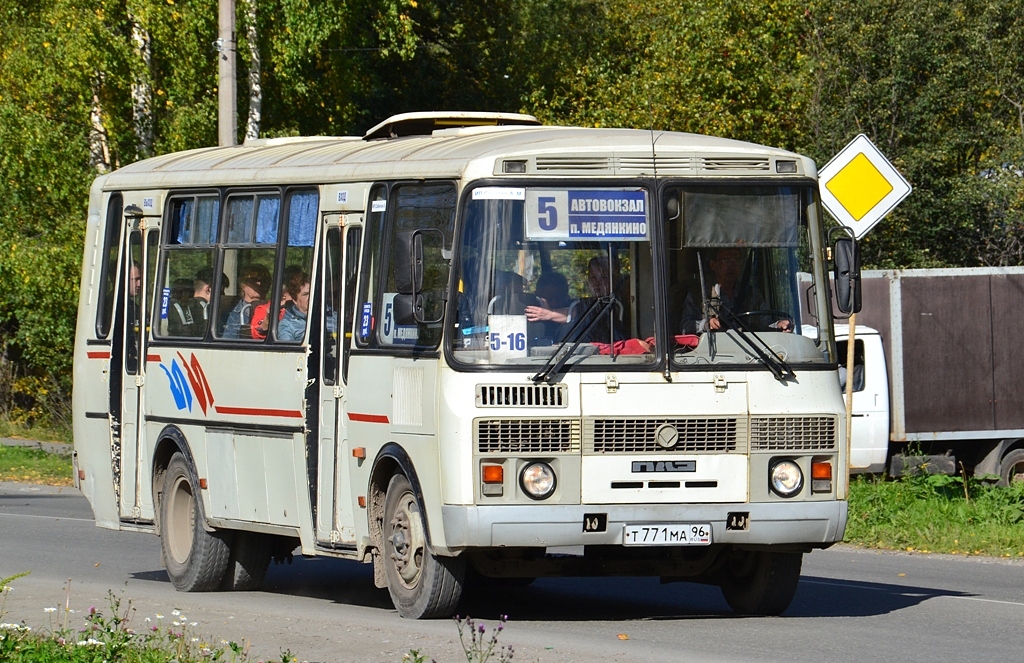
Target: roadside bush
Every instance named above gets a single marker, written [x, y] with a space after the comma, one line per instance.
[938, 513]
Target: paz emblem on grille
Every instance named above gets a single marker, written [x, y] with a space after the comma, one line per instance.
[667, 436]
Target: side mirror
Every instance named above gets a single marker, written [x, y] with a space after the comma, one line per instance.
[409, 262]
[408, 309]
[846, 256]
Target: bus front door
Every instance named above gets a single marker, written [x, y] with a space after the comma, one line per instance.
[335, 518]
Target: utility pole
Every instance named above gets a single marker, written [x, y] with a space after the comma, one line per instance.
[227, 113]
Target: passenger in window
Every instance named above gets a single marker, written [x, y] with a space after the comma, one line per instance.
[178, 317]
[553, 291]
[196, 309]
[292, 326]
[727, 300]
[255, 282]
[260, 322]
[132, 310]
[601, 282]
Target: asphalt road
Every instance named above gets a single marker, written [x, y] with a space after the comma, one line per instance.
[851, 604]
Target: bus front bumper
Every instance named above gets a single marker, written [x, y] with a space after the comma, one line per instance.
[816, 524]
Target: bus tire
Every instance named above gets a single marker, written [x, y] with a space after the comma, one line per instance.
[248, 562]
[1011, 467]
[422, 585]
[194, 558]
[760, 583]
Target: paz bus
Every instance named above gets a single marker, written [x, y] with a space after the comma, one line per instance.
[457, 348]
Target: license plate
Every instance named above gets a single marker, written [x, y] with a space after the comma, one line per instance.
[677, 534]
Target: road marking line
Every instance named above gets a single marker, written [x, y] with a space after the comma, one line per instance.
[936, 594]
[974, 598]
[28, 515]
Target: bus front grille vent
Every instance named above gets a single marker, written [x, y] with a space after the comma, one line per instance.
[521, 395]
[665, 165]
[718, 164]
[528, 436]
[690, 435]
[563, 164]
[793, 433]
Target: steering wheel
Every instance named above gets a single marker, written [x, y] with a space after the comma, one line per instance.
[776, 314]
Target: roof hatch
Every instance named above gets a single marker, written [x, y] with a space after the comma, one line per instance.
[423, 124]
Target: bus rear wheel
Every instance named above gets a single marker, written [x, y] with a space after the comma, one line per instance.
[248, 563]
[760, 583]
[194, 558]
[421, 584]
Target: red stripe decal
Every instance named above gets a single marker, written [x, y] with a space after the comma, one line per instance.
[369, 418]
[98, 355]
[257, 412]
[155, 358]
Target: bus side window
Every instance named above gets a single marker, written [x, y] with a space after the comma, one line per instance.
[369, 313]
[187, 277]
[108, 265]
[332, 288]
[249, 259]
[353, 240]
[429, 208]
[294, 297]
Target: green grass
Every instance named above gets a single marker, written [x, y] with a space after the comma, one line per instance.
[28, 465]
[39, 432]
[936, 514]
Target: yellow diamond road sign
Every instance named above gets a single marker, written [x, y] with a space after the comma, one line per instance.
[859, 186]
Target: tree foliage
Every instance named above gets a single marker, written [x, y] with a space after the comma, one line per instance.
[939, 87]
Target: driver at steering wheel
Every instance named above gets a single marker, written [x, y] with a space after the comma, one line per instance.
[725, 299]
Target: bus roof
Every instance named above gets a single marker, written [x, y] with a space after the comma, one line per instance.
[464, 152]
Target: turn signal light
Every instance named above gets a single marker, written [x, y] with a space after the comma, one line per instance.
[494, 474]
[821, 476]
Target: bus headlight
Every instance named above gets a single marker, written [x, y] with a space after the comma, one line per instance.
[785, 478]
[538, 480]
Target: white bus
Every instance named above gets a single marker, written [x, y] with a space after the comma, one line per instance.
[464, 347]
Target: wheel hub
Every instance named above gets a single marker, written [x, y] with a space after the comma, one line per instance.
[407, 541]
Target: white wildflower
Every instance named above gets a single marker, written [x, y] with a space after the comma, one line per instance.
[159, 616]
[175, 612]
[49, 609]
[194, 624]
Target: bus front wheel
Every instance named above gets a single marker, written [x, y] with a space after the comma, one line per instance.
[759, 582]
[421, 584]
[194, 558]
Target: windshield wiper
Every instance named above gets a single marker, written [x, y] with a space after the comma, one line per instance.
[779, 368]
[558, 357]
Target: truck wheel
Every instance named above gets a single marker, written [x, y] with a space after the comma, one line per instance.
[194, 558]
[761, 583]
[1011, 468]
[421, 584]
[247, 565]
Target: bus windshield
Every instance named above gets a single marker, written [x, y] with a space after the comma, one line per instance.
[732, 254]
[548, 266]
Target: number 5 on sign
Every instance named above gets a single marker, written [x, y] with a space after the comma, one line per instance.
[547, 215]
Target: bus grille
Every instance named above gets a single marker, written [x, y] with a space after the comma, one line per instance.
[521, 395]
[792, 433]
[695, 435]
[528, 436]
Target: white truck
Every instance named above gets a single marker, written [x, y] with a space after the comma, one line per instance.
[938, 359]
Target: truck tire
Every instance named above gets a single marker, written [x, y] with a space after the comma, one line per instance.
[1011, 467]
[421, 584]
[194, 558]
[248, 563]
[760, 583]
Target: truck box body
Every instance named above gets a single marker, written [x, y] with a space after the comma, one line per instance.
[954, 356]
